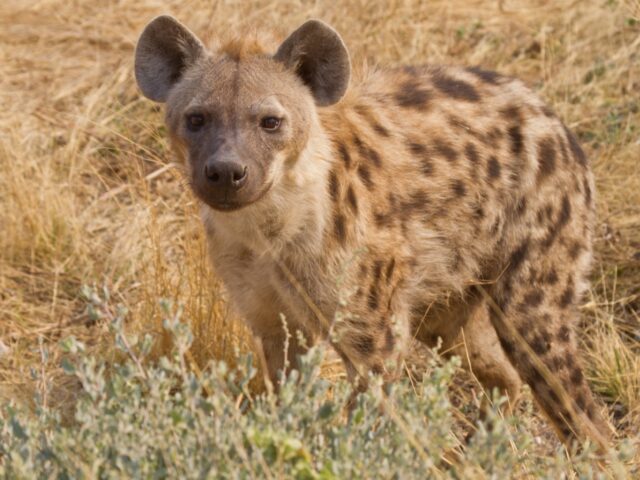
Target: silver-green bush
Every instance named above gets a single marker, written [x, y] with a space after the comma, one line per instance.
[140, 419]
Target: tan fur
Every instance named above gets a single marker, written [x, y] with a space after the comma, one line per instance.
[386, 211]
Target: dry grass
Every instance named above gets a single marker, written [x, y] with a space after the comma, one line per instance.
[88, 194]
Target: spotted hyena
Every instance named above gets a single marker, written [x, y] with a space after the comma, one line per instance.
[428, 202]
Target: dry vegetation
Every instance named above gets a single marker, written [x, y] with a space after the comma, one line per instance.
[89, 196]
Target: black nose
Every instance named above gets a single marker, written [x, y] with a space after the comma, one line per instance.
[226, 174]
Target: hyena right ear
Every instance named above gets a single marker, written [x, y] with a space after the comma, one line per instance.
[165, 49]
[320, 58]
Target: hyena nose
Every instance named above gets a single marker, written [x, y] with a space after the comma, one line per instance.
[226, 174]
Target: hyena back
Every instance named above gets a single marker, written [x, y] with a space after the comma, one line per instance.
[427, 202]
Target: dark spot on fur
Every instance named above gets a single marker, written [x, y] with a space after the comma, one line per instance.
[575, 249]
[416, 148]
[521, 206]
[272, 228]
[377, 270]
[455, 88]
[245, 255]
[458, 188]
[344, 154]
[365, 112]
[587, 191]
[413, 94]
[552, 277]
[551, 393]
[362, 110]
[565, 211]
[420, 150]
[564, 334]
[460, 124]
[534, 378]
[517, 258]
[367, 152]
[417, 201]
[507, 346]
[445, 150]
[478, 212]
[548, 211]
[563, 219]
[533, 298]
[546, 158]
[381, 219]
[567, 296]
[334, 186]
[379, 129]
[471, 152]
[547, 112]
[515, 136]
[363, 344]
[494, 135]
[556, 363]
[390, 268]
[372, 300]
[495, 226]
[339, 228]
[568, 360]
[577, 377]
[539, 345]
[576, 150]
[580, 401]
[511, 113]
[493, 168]
[426, 166]
[352, 200]
[365, 176]
[486, 76]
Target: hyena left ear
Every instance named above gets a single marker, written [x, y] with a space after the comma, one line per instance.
[320, 58]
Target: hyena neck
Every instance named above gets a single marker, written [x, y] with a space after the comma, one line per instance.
[291, 218]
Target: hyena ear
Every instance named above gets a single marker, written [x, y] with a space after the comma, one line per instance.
[166, 48]
[320, 58]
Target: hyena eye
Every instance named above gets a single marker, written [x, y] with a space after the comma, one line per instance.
[195, 121]
[270, 124]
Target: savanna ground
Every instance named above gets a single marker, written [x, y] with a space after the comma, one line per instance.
[90, 196]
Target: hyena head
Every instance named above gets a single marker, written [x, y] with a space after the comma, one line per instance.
[241, 116]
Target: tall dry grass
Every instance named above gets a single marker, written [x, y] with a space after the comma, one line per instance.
[89, 194]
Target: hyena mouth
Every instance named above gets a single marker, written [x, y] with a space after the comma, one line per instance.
[229, 204]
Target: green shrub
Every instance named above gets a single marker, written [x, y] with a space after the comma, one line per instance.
[140, 419]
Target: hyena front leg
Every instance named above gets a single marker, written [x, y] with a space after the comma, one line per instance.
[281, 338]
[282, 348]
[372, 346]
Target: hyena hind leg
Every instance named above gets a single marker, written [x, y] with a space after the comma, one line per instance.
[479, 348]
[534, 315]
[465, 329]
